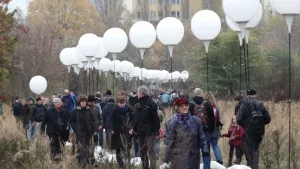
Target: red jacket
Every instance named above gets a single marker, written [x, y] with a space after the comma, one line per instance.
[235, 134]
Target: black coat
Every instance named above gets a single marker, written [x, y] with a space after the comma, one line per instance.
[82, 121]
[107, 115]
[56, 122]
[146, 120]
[25, 115]
[209, 110]
[38, 113]
[96, 118]
[122, 120]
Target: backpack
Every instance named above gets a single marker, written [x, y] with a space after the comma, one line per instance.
[200, 111]
[257, 122]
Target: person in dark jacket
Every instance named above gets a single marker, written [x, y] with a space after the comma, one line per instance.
[254, 130]
[239, 99]
[133, 99]
[82, 124]
[107, 118]
[69, 101]
[25, 114]
[184, 138]
[146, 125]
[208, 129]
[17, 108]
[105, 99]
[36, 118]
[57, 124]
[122, 122]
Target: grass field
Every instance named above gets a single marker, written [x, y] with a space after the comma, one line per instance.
[17, 153]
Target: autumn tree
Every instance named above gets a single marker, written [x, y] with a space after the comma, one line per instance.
[7, 41]
[52, 26]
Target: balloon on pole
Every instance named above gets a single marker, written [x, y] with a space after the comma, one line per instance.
[38, 84]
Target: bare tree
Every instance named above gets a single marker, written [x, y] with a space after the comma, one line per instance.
[185, 8]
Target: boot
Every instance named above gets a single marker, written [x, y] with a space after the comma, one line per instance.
[220, 162]
[229, 162]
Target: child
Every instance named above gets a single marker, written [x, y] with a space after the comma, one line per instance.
[235, 134]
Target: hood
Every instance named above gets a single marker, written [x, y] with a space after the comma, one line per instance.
[198, 99]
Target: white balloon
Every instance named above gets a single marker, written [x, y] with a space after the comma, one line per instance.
[286, 6]
[175, 75]
[184, 75]
[257, 18]
[241, 10]
[127, 67]
[142, 35]
[105, 65]
[145, 74]
[72, 56]
[232, 25]
[116, 66]
[115, 40]
[63, 56]
[170, 31]
[88, 45]
[102, 52]
[206, 25]
[38, 84]
[136, 72]
[79, 56]
[164, 75]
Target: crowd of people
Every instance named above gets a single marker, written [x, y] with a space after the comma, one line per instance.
[135, 120]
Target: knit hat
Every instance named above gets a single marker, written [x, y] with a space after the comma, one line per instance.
[251, 92]
[31, 98]
[181, 101]
[91, 98]
[38, 99]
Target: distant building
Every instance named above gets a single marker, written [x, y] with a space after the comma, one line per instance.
[155, 10]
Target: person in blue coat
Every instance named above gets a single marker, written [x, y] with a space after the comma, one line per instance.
[184, 138]
[69, 101]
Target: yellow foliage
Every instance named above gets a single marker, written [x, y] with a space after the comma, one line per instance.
[65, 17]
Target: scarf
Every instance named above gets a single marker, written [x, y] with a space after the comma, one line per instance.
[184, 119]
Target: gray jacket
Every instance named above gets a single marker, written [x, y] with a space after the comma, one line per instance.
[183, 145]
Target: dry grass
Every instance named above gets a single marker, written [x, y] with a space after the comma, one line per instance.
[17, 153]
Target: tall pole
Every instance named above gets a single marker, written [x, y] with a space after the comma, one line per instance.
[240, 70]
[248, 61]
[207, 73]
[245, 64]
[93, 81]
[290, 98]
[142, 64]
[89, 83]
[97, 81]
[172, 73]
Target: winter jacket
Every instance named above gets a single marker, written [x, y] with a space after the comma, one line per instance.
[209, 110]
[182, 146]
[165, 98]
[96, 118]
[69, 102]
[25, 116]
[235, 134]
[82, 121]
[107, 115]
[218, 124]
[237, 107]
[104, 101]
[17, 109]
[56, 122]
[122, 121]
[133, 99]
[146, 120]
[38, 113]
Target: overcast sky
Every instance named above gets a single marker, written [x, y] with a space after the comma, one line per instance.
[23, 4]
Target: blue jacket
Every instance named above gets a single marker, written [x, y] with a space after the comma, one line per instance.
[183, 145]
[165, 98]
[69, 103]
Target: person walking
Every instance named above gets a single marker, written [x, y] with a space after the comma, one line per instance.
[25, 115]
[57, 124]
[122, 122]
[36, 118]
[146, 125]
[253, 117]
[184, 138]
[82, 124]
[69, 102]
[203, 109]
[107, 119]
[17, 108]
[235, 135]
[217, 128]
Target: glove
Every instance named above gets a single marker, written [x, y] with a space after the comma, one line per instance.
[205, 154]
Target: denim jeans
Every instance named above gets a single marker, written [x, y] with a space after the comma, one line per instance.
[30, 131]
[206, 159]
[157, 146]
[136, 146]
[217, 151]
